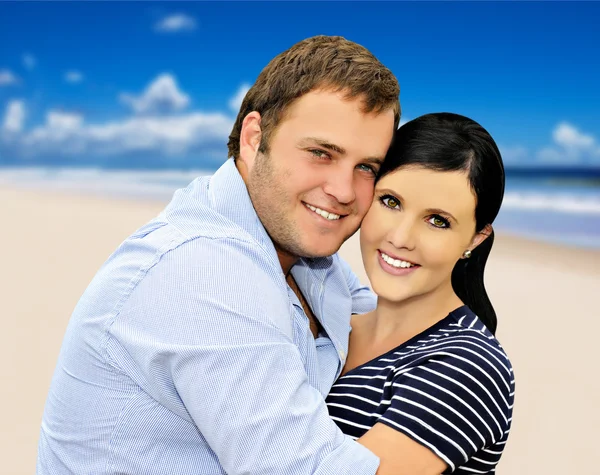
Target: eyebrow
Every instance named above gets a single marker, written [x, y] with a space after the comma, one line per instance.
[322, 143]
[428, 210]
[335, 148]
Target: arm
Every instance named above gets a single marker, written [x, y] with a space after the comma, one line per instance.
[399, 454]
[202, 331]
[442, 412]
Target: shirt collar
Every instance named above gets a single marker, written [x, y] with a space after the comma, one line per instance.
[316, 279]
[229, 197]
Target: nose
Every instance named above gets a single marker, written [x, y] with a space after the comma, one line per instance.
[340, 185]
[403, 233]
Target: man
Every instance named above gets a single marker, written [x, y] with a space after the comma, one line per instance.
[208, 340]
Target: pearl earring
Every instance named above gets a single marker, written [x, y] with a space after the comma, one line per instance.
[466, 254]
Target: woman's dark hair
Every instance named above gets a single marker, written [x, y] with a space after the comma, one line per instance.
[452, 142]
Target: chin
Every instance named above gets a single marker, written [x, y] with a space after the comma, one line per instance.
[389, 294]
[321, 251]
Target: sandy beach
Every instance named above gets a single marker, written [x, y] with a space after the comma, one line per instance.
[545, 297]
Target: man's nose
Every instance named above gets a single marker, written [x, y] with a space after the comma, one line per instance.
[341, 185]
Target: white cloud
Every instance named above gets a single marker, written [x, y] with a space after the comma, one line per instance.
[236, 101]
[64, 122]
[68, 134]
[569, 147]
[176, 22]
[59, 133]
[15, 117]
[569, 137]
[73, 77]
[161, 96]
[7, 78]
[29, 61]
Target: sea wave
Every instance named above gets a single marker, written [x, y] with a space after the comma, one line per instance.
[146, 184]
[572, 203]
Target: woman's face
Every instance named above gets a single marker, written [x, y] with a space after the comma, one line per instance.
[419, 225]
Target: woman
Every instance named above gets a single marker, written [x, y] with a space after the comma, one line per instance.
[427, 387]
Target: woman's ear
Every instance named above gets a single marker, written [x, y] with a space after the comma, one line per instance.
[481, 236]
[250, 136]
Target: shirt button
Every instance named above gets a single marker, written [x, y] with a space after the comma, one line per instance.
[342, 354]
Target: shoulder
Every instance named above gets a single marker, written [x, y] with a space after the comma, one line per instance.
[224, 254]
[194, 213]
[210, 281]
[167, 244]
[463, 367]
[224, 266]
[466, 336]
[463, 348]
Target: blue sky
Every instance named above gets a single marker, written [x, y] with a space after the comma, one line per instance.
[151, 84]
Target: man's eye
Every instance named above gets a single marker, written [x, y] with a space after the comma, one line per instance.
[319, 153]
[368, 168]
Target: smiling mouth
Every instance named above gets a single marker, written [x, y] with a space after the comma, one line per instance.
[324, 214]
[397, 263]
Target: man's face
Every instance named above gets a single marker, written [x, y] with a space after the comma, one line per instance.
[315, 184]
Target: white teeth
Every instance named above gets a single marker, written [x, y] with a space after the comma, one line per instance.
[325, 214]
[395, 262]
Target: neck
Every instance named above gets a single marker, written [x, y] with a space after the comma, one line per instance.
[286, 260]
[242, 169]
[400, 321]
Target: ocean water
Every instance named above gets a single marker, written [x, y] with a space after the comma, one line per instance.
[547, 210]
[563, 212]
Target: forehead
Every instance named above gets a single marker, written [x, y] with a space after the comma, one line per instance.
[423, 188]
[340, 121]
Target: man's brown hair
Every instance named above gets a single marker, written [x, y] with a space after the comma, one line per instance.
[321, 62]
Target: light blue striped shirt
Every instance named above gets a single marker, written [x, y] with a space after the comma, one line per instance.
[189, 354]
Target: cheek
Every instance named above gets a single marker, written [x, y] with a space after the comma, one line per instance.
[373, 230]
[297, 182]
[368, 227]
[440, 251]
[364, 190]
[365, 234]
[304, 179]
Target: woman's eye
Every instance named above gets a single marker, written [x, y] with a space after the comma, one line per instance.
[390, 202]
[439, 222]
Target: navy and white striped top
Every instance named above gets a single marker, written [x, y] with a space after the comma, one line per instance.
[450, 388]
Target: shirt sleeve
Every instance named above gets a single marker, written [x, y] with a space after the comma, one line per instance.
[456, 402]
[363, 298]
[201, 334]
